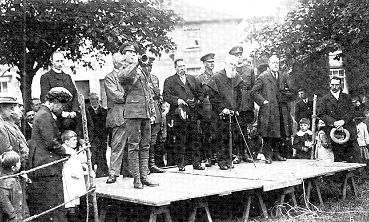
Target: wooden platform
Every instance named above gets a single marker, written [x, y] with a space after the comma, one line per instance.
[197, 185]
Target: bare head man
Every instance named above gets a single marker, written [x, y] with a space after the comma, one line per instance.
[57, 60]
[230, 66]
[180, 66]
[273, 63]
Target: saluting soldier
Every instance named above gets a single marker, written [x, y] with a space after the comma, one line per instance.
[246, 109]
[208, 116]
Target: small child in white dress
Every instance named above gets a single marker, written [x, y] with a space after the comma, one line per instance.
[323, 147]
[73, 175]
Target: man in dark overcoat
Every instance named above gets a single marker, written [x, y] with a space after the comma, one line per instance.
[273, 93]
[46, 189]
[100, 134]
[183, 94]
[337, 111]
[226, 99]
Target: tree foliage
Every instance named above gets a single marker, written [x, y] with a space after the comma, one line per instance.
[30, 30]
[314, 29]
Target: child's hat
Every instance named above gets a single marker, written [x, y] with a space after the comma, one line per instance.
[304, 120]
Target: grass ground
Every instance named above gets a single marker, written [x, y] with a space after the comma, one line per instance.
[334, 210]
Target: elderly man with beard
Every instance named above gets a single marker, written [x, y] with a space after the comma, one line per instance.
[46, 190]
[273, 93]
[226, 100]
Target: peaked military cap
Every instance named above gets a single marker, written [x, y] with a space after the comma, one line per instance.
[128, 46]
[208, 57]
[236, 50]
[59, 93]
[8, 100]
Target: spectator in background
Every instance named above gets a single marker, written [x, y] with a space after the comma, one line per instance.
[99, 140]
[57, 78]
[303, 107]
[28, 124]
[35, 105]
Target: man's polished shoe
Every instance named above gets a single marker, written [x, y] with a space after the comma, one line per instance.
[155, 169]
[280, 158]
[137, 183]
[181, 169]
[248, 159]
[268, 161]
[198, 167]
[236, 159]
[223, 167]
[111, 179]
[149, 183]
[208, 163]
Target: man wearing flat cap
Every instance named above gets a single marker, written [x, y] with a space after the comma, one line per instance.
[134, 128]
[183, 94]
[46, 188]
[246, 109]
[208, 117]
[10, 134]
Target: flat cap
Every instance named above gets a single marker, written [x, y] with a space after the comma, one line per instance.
[208, 57]
[8, 100]
[128, 46]
[236, 50]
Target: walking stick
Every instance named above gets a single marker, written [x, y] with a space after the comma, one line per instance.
[313, 129]
[230, 141]
[244, 140]
[90, 169]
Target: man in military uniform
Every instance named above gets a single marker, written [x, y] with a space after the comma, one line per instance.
[156, 124]
[183, 94]
[208, 117]
[246, 109]
[139, 112]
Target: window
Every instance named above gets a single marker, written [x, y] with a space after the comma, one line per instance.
[192, 38]
[3, 87]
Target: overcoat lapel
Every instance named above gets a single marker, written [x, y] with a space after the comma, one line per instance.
[333, 100]
[179, 81]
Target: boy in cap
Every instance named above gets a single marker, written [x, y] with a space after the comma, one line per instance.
[302, 141]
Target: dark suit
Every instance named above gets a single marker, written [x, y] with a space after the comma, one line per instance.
[303, 110]
[47, 182]
[99, 139]
[331, 110]
[183, 132]
[274, 118]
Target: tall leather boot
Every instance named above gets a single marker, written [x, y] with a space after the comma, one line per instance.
[144, 168]
[134, 167]
[152, 166]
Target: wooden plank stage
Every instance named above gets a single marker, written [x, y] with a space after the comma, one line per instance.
[197, 185]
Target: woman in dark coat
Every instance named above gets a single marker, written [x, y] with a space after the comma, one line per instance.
[46, 190]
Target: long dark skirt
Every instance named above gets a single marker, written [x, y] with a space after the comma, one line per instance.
[45, 193]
